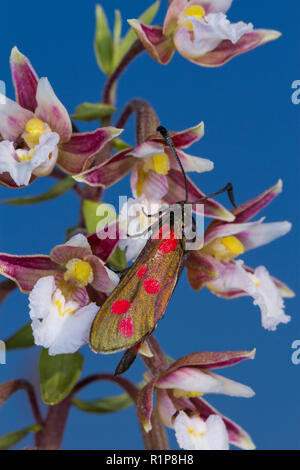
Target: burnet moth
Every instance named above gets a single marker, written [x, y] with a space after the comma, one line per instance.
[132, 311]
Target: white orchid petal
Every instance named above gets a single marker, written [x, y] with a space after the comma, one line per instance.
[208, 33]
[52, 111]
[260, 286]
[190, 379]
[21, 170]
[78, 240]
[58, 324]
[193, 433]
[259, 235]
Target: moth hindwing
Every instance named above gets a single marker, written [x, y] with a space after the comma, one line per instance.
[132, 311]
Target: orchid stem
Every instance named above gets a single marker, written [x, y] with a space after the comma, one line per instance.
[136, 48]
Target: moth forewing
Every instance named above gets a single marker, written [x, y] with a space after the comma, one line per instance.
[133, 309]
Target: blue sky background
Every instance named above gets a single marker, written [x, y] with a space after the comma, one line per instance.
[252, 135]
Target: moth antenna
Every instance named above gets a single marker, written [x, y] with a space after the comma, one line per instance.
[228, 188]
[163, 131]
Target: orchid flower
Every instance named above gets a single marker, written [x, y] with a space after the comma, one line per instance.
[58, 324]
[78, 267]
[61, 288]
[36, 131]
[201, 32]
[134, 220]
[181, 407]
[155, 173]
[215, 265]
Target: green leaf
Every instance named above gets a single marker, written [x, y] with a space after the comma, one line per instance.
[9, 440]
[23, 338]
[104, 405]
[58, 375]
[57, 190]
[116, 38]
[118, 260]
[119, 145]
[97, 215]
[103, 42]
[130, 37]
[92, 111]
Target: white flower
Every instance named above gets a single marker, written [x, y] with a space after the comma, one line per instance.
[193, 433]
[58, 324]
[258, 285]
[210, 30]
[21, 164]
[133, 220]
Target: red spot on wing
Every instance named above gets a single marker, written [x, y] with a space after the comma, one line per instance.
[142, 271]
[119, 307]
[167, 246]
[126, 327]
[162, 232]
[151, 286]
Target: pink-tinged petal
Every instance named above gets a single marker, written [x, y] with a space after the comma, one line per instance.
[145, 405]
[102, 246]
[109, 174]
[52, 111]
[220, 230]
[237, 435]
[259, 235]
[174, 10]
[165, 407]
[101, 281]
[213, 6]
[176, 193]
[25, 80]
[13, 119]
[155, 186]
[160, 47]
[189, 163]
[26, 270]
[227, 50]
[61, 254]
[74, 155]
[197, 380]
[210, 360]
[200, 269]
[147, 149]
